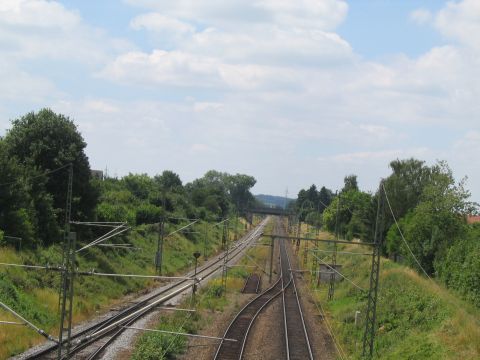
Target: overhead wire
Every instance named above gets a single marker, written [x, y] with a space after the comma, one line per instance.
[346, 278]
[189, 315]
[339, 348]
[114, 232]
[32, 266]
[401, 233]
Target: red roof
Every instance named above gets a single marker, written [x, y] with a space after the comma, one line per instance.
[473, 219]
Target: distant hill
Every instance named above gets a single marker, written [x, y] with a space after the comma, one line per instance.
[273, 201]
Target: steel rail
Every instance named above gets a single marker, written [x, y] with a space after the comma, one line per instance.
[242, 311]
[288, 342]
[247, 239]
[241, 245]
[238, 321]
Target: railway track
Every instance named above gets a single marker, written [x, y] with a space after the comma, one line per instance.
[295, 332]
[252, 284]
[296, 335]
[92, 341]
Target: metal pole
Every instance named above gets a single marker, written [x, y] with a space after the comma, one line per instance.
[65, 286]
[196, 255]
[225, 271]
[205, 240]
[159, 254]
[236, 224]
[371, 313]
[271, 259]
[331, 287]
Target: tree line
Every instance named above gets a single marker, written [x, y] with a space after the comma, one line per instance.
[431, 210]
[35, 154]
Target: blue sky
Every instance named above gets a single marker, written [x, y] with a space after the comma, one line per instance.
[291, 92]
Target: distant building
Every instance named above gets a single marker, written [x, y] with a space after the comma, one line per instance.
[473, 219]
[97, 174]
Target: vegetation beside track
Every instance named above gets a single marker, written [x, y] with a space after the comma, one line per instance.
[417, 318]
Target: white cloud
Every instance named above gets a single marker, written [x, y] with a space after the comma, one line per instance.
[242, 14]
[38, 14]
[421, 16]
[199, 148]
[101, 106]
[177, 68]
[382, 155]
[207, 106]
[323, 14]
[273, 46]
[34, 29]
[460, 21]
[160, 23]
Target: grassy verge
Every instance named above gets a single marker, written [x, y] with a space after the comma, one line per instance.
[34, 294]
[417, 318]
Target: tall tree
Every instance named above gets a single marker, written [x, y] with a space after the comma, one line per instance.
[239, 186]
[436, 222]
[350, 183]
[45, 141]
[325, 197]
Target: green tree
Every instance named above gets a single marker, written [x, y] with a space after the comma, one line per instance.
[325, 197]
[45, 141]
[436, 222]
[239, 186]
[210, 192]
[17, 213]
[355, 215]
[140, 185]
[168, 181]
[350, 183]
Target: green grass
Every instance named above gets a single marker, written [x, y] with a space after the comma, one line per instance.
[417, 318]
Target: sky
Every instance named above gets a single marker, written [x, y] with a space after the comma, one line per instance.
[293, 92]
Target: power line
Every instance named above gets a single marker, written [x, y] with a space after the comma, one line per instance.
[336, 342]
[57, 268]
[28, 323]
[331, 268]
[401, 234]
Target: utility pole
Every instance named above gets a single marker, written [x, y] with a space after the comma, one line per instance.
[305, 251]
[205, 234]
[299, 225]
[68, 272]
[224, 235]
[331, 286]
[225, 270]
[159, 254]
[272, 244]
[315, 262]
[196, 255]
[236, 225]
[371, 313]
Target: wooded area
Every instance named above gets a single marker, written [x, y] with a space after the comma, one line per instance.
[431, 210]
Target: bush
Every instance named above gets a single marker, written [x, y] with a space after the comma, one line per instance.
[148, 214]
[460, 269]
